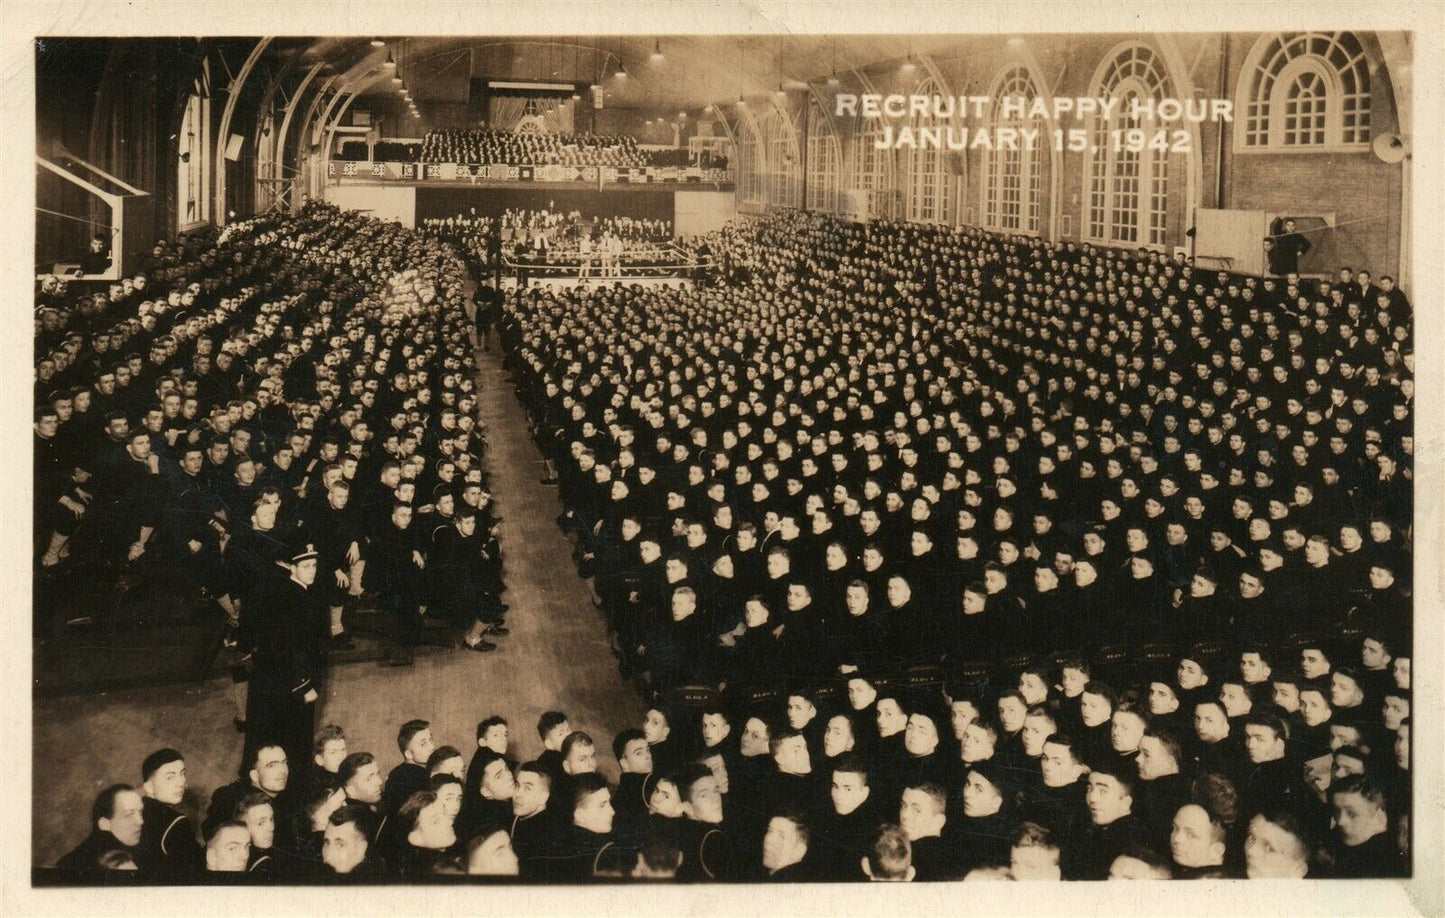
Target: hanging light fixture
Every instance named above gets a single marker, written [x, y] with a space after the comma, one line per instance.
[390, 62]
[378, 43]
[657, 52]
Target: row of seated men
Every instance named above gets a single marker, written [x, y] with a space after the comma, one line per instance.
[1081, 770]
[276, 387]
[489, 146]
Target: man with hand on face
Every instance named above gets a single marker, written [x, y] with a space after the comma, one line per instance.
[168, 840]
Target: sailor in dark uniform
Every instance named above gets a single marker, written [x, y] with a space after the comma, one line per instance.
[168, 838]
[290, 625]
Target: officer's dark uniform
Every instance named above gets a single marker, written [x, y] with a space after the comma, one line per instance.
[289, 623]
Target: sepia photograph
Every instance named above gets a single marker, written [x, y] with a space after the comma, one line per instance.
[900, 449]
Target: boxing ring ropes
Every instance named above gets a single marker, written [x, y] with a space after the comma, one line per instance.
[658, 260]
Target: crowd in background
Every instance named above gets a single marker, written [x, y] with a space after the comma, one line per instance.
[488, 147]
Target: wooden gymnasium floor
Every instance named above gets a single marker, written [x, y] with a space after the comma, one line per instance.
[557, 655]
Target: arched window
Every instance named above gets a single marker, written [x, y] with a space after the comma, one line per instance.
[1013, 179]
[749, 164]
[783, 184]
[1306, 90]
[825, 160]
[193, 158]
[925, 166]
[1128, 184]
[870, 165]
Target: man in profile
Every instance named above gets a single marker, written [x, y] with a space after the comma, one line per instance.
[534, 829]
[168, 840]
[414, 739]
[117, 818]
[591, 831]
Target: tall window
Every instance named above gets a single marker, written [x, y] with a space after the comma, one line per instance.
[193, 142]
[784, 175]
[1128, 187]
[1013, 179]
[870, 165]
[925, 166]
[1307, 90]
[749, 164]
[825, 160]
